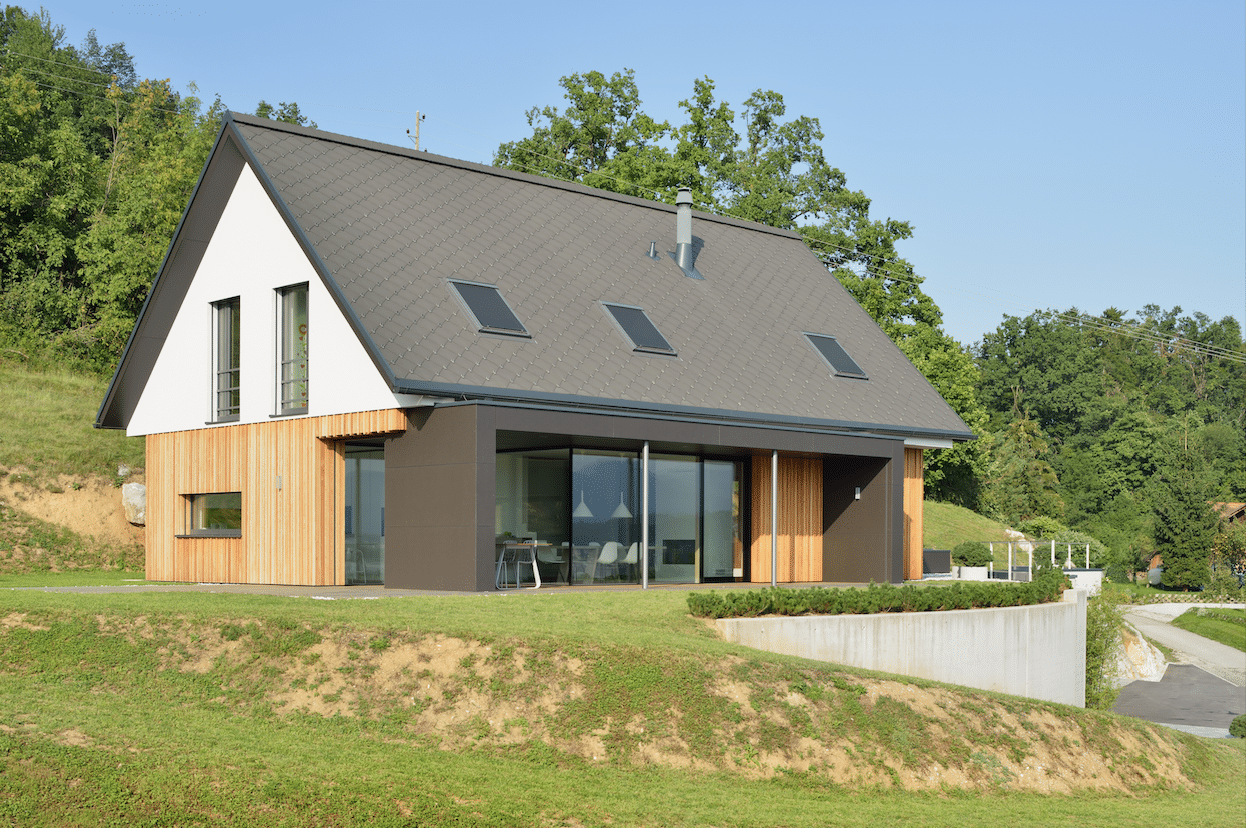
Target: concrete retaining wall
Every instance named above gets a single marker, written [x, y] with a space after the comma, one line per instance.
[1037, 651]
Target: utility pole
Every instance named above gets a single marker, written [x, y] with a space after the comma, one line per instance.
[416, 139]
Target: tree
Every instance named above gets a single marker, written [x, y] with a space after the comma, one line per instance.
[285, 112]
[1022, 484]
[1185, 522]
[159, 144]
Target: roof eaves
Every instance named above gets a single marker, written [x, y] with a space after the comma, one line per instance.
[542, 399]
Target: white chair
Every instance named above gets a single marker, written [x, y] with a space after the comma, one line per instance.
[632, 558]
[609, 556]
[554, 556]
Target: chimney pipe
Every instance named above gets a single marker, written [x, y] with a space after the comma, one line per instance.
[683, 233]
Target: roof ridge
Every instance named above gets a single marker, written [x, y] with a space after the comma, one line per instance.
[444, 160]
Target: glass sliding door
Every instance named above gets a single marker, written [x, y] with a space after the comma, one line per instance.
[531, 507]
[605, 527]
[723, 556]
[365, 515]
[674, 518]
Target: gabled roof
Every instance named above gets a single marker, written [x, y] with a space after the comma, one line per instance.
[388, 228]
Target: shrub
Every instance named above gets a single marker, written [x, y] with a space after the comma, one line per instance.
[1223, 586]
[1103, 645]
[1041, 527]
[972, 553]
[1238, 727]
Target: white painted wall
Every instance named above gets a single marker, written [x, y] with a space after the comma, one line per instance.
[252, 254]
[1036, 651]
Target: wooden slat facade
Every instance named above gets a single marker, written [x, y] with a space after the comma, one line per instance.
[799, 523]
[914, 495]
[290, 473]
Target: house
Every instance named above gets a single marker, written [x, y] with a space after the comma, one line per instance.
[1230, 513]
[364, 364]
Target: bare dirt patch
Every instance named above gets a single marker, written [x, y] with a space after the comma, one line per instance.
[457, 694]
[87, 506]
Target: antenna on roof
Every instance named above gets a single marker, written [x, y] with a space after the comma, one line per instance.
[416, 139]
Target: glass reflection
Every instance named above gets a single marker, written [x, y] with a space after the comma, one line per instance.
[531, 506]
[605, 532]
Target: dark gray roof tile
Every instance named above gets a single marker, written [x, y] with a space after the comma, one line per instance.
[391, 225]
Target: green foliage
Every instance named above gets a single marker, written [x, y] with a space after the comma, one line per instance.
[1041, 527]
[1022, 484]
[1104, 621]
[1047, 586]
[1237, 727]
[1098, 552]
[972, 553]
[286, 112]
[1185, 522]
[96, 167]
[1229, 550]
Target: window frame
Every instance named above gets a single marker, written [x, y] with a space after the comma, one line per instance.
[226, 316]
[859, 373]
[609, 308]
[284, 406]
[190, 518]
[521, 332]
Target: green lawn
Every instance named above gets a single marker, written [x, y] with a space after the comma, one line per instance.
[99, 725]
[1228, 626]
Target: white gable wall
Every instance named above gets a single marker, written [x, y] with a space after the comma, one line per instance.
[251, 255]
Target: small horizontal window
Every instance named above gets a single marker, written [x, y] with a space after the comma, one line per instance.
[488, 308]
[829, 349]
[636, 326]
[218, 514]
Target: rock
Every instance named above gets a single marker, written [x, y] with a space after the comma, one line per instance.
[134, 499]
[123, 470]
[1138, 658]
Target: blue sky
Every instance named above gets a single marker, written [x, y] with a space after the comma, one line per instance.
[1052, 155]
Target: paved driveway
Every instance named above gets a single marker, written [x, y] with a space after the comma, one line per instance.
[1202, 690]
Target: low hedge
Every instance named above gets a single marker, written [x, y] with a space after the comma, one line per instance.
[1046, 587]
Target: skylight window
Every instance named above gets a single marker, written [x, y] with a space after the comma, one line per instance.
[829, 349]
[488, 308]
[636, 326]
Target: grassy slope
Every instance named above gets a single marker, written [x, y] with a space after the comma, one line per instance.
[178, 707]
[47, 427]
[945, 526]
[1228, 626]
[133, 708]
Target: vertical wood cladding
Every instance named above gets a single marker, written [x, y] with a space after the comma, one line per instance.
[914, 510]
[799, 523]
[290, 474]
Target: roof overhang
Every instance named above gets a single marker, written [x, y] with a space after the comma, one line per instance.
[465, 394]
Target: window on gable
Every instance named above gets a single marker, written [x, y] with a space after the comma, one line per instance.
[833, 353]
[636, 326]
[225, 363]
[214, 515]
[292, 348]
[490, 311]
